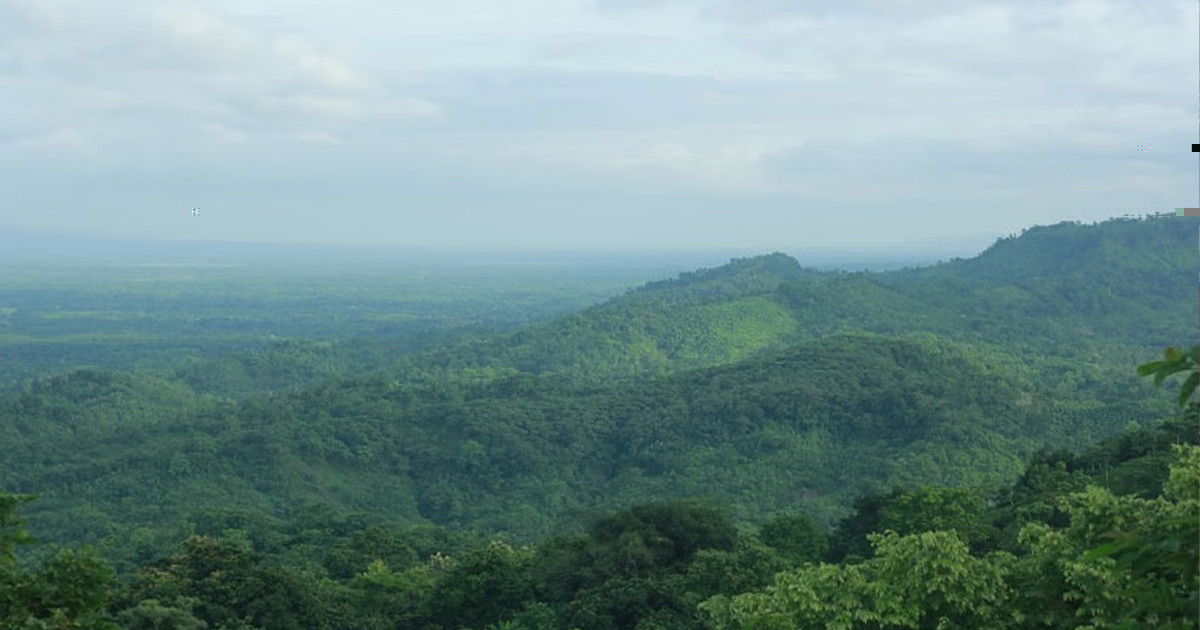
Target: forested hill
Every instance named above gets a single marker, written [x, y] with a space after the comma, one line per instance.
[1117, 281]
[1155, 247]
[1092, 292]
[702, 318]
[742, 277]
[816, 426]
[1076, 304]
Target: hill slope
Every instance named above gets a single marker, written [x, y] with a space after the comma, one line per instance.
[816, 425]
[1061, 298]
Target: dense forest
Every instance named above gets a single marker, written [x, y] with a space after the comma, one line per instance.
[757, 445]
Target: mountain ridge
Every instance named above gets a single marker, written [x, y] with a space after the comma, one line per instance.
[715, 316]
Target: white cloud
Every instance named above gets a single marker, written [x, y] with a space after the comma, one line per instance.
[205, 34]
[406, 109]
[317, 137]
[760, 105]
[221, 134]
[326, 71]
[143, 71]
[63, 140]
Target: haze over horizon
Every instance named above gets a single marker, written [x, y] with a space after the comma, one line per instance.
[37, 247]
[754, 126]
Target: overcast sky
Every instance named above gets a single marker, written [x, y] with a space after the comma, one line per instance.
[741, 124]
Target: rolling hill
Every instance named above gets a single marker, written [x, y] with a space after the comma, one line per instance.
[1053, 296]
[761, 384]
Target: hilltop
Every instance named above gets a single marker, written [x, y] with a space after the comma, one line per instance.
[1069, 291]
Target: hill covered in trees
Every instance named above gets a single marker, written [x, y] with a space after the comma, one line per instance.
[822, 422]
[1053, 296]
[758, 389]
[1100, 539]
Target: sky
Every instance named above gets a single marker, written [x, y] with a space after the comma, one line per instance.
[772, 125]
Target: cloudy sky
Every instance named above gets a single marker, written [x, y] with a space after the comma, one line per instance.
[748, 124]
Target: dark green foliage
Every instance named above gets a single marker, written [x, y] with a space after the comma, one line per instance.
[224, 583]
[12, 528]
[482, 587]
[742, 276]
[646, 565]
[661, 535]
[150, 614]
[747, 567]
[519, 454]
[68, 590]
[797, 538]
[351, 557]
[850, 541]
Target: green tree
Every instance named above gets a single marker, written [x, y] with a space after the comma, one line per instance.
[749, 566]
[71, 590]
[960, 510]
[1123, 561]
[387, 598]
[151, 614]
[922, 581]
[796, 537]
[482, 587]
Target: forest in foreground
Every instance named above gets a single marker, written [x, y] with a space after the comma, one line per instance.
[758, 445]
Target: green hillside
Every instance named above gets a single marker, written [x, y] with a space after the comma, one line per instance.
[1120, 281]
[1104, 538]
[818, 424]
[1075, 303]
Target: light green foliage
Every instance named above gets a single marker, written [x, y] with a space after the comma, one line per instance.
[927, 580]
[1123, 562]
[960, 510]
[1183, 484]
[383, 597]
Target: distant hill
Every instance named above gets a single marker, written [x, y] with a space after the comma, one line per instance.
[740, 278]
[1068, 290]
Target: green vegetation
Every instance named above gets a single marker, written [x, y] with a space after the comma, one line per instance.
[1083, 556]
[519, 454]
[758, 445]
[157, 317]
